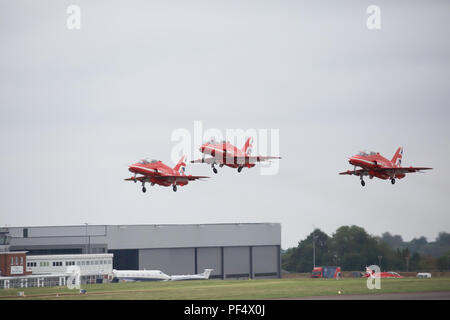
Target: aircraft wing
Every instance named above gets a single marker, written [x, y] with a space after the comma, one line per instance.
[181, 178]
[206, 160]
[386, 170]
[355, 172]
[253, 159]
[403, 169]
[140, 178]
[238, 160]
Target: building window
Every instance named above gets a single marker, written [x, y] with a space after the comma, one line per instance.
[17, 260]
[25, 233]
[21, 261]
[12, 261]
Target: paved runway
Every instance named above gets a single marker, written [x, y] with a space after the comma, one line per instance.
[384, 296]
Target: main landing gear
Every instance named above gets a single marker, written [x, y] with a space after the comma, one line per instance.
[393, 181]
[143, 187]
[240, 169]
[362, 181]
[214, 168]
[174, 187]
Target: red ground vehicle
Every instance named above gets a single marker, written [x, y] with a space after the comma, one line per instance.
[326, 272]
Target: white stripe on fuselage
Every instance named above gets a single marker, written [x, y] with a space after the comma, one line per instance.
[148, 169]
[382, 165]
[222, 150]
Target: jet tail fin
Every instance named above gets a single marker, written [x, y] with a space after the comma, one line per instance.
[397, 158]
[207, 272]
[180, 165]
[247, 149]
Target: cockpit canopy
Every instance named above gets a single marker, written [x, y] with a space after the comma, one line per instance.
[214, 141]
[145, 161]
[366, 153]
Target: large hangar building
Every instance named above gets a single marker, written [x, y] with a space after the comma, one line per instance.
[233, 250]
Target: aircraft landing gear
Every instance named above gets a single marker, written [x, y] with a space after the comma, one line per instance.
[174, 187]
[214, 168]
[393, 181]
[363, 183]
[144, 189]
[240, 169]
[135, 178]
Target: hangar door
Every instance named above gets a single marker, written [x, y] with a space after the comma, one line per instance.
[170, 261]
[265, 261]
[210, 258]
[236, 262]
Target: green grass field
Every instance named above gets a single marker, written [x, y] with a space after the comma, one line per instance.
[230, 289]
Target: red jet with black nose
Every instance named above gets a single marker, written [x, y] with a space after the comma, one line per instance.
[375, 165]
[156, 172]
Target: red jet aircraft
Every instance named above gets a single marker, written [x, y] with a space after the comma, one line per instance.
[156, 172]
[374, 165]
[224, 153]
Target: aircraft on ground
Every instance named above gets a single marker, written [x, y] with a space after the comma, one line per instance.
[375, 165]
[224, 153]
[155, 275]
[200, 276]
[156, 172]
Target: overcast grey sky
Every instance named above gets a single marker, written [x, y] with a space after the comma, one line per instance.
[78, 106]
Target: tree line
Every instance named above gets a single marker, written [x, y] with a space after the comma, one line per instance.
[352, 248]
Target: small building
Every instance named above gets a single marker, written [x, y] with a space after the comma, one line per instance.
[13, 264]
[92, 267]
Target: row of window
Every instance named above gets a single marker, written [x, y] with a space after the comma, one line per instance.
[93, 262]
[17, 261]
[69, 263]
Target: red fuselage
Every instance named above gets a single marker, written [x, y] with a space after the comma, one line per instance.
[373, 162]
[228, 153]
[154, 170]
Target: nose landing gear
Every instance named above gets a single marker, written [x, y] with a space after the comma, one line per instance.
[393, 181]
[174, 187]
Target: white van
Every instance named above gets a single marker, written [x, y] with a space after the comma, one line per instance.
[424, 275]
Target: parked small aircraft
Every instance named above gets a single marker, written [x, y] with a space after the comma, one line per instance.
[224, 153]
[156, 172]
[155, 275]
[375, 165]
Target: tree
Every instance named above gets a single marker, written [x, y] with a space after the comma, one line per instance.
[394, 242]
[300, 259]
[355, 247]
